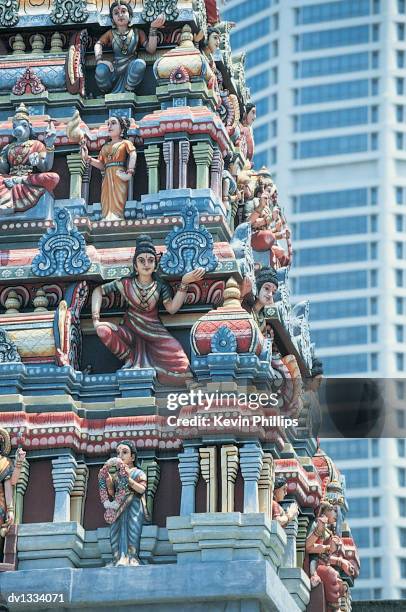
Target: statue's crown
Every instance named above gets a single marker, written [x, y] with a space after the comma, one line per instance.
[22, 112]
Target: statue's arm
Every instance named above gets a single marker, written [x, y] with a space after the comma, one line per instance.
[8, 493]
[97, 297]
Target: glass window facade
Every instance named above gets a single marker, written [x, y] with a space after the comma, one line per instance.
[340, 309]
[316, 13]
[340, 336]
[332, 255]
[346, 449]
[258, 56]
[338, 37]
[361, 536]
[325, 120]
[330, 92]
[339, 226]
[258, 29]
[339, 145]
[345, 364]
[338, 64]
[359, 508]
[337, 281]
[258, 82]
[329, 200]
[244, 9]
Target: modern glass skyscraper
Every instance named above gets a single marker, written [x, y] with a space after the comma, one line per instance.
[329, 81]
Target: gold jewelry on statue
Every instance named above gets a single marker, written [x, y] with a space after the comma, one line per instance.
[183, 287]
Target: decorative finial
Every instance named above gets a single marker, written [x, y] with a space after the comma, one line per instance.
[232, 294]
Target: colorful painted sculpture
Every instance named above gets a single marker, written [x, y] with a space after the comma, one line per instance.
[9, 476]
[142, 341]
[127, 70]
[122, 487]
[246, 130]
[267, 285]
[117, 160]
[325, 550]
[25, 165]
[280, 490]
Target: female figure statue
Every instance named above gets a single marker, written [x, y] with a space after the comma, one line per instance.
[325, 550]
[141, 341]
[280, 489]
[9, 476]
[249, 117]
[25, 165]
[122, 487]
[117, 160]
[126, 71]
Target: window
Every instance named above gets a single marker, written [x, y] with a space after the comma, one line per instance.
[332, 119]
[400, 30]
[329, 200]
[345, 364]
[346, 449]
[259, 81]
[377, 567]
[401, 477]
[373, 305]
[359, 508]
[261, 159]
[337, 281]
[328, 255]
[340, 336]
[338, 64]
[399, 115]
[400, 362]
[262, 106]
[256, 30]
[375, 447]
[399, 140]
[261, 134]
[400, 419]
[344, 90]
[401, 442]
[399, 278]
[402, 536]
[375, 477]
[315, 13]
[376, 536]
[399, 333]
[339, 37]
[400, 86]
[339, 145]
[357, 478]
[401, 6]
[400, 307]
[244, 9]
[340, 309]
[361, 536]
[399, 223]
[258, 56]
[338, 226]
[402, 563]
[374, 362]
[399, 194]
[376, 506]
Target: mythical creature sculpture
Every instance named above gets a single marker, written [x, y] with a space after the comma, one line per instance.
[142, 341]
[9, 475]
[127, 70]
[325, 548]
[25, 165]
[280, 490]
[117, 160]
[122, 487]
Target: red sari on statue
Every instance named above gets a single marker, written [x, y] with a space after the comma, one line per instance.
[141, 338]
[26, 194]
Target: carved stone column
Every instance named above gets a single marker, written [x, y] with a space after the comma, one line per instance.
[203, 154]
[290, 557]
[152, 154]
[208, 468]
[229, 471]
[78, 495]
[216, 172]
[153, 472]
[251, 465]
[303, 525]
[87, 175]
[184, 152]
[63, 476]
[168, 149]
[189, 474]
[265, 485]
[20, 490]
[76, 167]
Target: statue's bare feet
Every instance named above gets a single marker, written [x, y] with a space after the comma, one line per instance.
[134, 562]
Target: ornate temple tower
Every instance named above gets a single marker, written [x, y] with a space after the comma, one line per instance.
[145, 313]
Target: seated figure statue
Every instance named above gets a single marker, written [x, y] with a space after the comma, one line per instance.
[126, 71]
[25, 165]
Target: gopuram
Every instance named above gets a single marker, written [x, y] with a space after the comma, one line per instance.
[158, 391]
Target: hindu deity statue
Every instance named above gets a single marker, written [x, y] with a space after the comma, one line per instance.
[122, 486]
[267, 220]
[127, 70]
[280, 490]
[142, 341]
[9, 476]
[247, 122]
[25, 165]
[324, 547]
[267, 285]
[209, 46]
[117, 160]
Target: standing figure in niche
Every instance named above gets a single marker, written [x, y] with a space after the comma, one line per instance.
[247, 130]
[127, 70]
[122, 486]
[280, 490]
[117, 160]
[25, 165]
[141, 340]
[9, 476]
